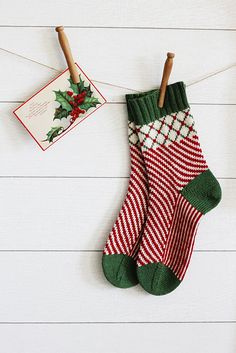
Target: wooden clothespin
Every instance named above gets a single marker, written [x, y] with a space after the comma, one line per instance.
[165, 78]
[67, 52]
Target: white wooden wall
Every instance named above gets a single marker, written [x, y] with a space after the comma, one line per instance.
[57, 207]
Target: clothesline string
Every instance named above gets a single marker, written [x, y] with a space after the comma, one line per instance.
[203, 78]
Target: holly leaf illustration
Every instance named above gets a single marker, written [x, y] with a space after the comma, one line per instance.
[89, 102]
[60, 113]
[54, 132]
[63, 98]
[77, 87]
[88, 91]
[80, 87]
[73, 86]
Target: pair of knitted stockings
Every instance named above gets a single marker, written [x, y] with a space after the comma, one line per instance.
[169, 190]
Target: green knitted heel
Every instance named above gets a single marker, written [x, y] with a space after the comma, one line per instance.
[120, 270]
[203, 192]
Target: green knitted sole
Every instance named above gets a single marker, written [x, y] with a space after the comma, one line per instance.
[120, 270]
[157, 279]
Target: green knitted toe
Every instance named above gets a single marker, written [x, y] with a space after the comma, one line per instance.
[157, 279]
[120, 270]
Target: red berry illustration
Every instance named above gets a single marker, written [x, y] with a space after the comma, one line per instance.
[75, 114]
[79, 101]
[69, 93]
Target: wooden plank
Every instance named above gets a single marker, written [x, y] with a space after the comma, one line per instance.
[90, 148]
[101, 338]
[201, 14]
[59, 287]
[99, 146]
[77, 214]
[139, 66]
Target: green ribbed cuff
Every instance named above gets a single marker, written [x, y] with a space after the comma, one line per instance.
[143, 107]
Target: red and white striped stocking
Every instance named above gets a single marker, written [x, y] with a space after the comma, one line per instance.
[121, 249]
[181, 187]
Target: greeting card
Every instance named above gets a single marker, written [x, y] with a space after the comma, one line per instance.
[58, 107]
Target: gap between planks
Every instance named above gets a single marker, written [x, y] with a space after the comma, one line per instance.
[127, 27]
[97, 251]
[123, 103]
[77, 177]
[111, 322]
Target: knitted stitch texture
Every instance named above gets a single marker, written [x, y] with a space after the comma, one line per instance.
[181, 187]
[121, 249]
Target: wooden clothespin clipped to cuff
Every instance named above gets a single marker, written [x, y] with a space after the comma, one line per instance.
[165, 78]
[67, 52]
